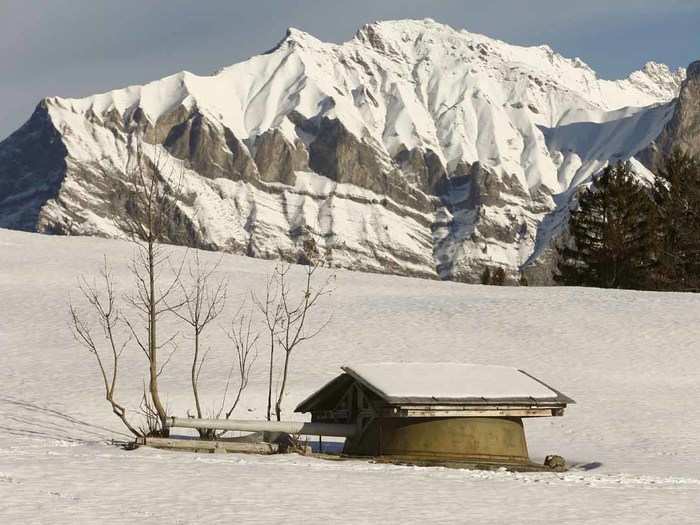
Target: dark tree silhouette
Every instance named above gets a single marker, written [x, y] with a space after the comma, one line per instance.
[677, 196]
[612, 234]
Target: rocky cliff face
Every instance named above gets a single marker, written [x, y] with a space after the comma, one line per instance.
[413, 149]
[683, 129]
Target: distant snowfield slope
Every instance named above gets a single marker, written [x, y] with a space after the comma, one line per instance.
[413, 148]
[629, 359]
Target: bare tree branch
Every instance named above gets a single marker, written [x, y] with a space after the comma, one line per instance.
[271, 309]
[201, 301]
[244, 339]
[108, 318]
[293, 317]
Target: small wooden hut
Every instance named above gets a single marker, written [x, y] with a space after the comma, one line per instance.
[435, 412]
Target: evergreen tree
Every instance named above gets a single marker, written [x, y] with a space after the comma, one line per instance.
[612, 239]
[677, 196]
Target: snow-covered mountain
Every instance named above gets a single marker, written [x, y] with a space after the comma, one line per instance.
[414, 148]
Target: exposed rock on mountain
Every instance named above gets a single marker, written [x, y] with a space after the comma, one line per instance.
[683, 130]
[414, 149]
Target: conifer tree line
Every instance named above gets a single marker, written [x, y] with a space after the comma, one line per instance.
[627, 233]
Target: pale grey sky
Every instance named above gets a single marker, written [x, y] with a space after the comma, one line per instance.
[80, 47]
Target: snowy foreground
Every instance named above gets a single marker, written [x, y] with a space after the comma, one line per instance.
[629, 359]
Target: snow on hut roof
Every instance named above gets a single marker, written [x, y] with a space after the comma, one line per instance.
[405, 382]
[441, 383]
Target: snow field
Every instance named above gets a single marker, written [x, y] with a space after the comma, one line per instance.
[629, 359]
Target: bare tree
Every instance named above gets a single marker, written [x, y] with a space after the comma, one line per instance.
[197, 298]
[152, 192]
[151, 205]
[271, 309]
[109, 319]
[203, 300]
[244, 339]
[295, 313]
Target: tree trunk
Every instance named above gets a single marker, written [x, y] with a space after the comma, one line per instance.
[152, 341]
[269, 385]
[194, 374]
[278, 404]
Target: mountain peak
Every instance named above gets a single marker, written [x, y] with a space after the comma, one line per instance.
[396, 27]
[293, 37]
[385, 35]
[658, 80]
[693, 70]
[300, 37]
[660, 71]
